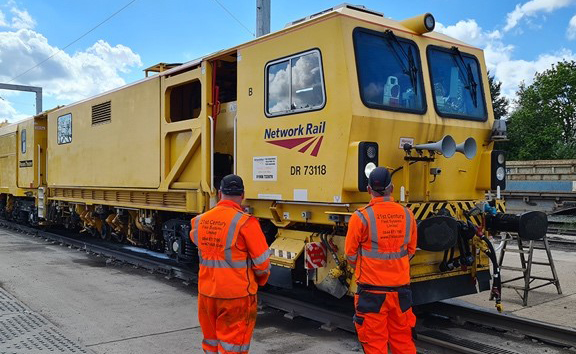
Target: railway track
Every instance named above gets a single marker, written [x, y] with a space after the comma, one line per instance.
[428, 340]
[561, 231]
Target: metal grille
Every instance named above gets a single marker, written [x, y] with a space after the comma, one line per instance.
[101, 113]
[25, 332]
[464, 345]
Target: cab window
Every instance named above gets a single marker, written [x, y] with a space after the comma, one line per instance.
[389, 71]
[295, 84]
[456, 84]
[23, 141]
[64, 129]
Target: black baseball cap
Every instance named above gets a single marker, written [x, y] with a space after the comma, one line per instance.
[232, 185]
[379, 179]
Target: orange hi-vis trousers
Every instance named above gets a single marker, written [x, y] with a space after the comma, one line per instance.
[380, 322]
[227, 324]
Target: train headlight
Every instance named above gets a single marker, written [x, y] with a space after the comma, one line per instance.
[429, 22]
[369, 168]
[367, 161]
[498, 170]
[500, 173]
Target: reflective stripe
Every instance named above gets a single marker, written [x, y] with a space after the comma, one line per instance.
[234, 348]
[211, 342]
[209, 352]
[261, 258]
[230, 236]
[362, 218]
[261, 272]
[219, 263]
[227, 262]
[352, 259]
[195, 229]
[372, 228]
[384, 255]
[374, 252]
[408, 222]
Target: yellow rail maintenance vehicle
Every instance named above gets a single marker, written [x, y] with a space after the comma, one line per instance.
[23, 168]
[303, 115]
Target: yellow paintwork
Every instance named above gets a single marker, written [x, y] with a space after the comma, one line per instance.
[124, 152]
[348, 122]
[19, 174]
[143, 161]
[291, 243]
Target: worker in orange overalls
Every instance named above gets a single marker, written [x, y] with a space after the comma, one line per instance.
[234, 260]
[381, 237]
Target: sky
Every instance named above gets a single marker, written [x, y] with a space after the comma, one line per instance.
[96, 46]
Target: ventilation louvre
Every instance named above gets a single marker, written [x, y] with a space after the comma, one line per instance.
[101, 113]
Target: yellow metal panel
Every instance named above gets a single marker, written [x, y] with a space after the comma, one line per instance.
[122, 153]
[27, 169]
[8, 163]
[287, 247]
[310, 184]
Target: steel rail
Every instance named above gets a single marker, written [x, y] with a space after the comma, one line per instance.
[546, 332]
[330, 319]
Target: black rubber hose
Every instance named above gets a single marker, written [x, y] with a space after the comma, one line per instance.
[496, 292]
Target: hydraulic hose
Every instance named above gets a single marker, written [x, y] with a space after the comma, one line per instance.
[496, 292]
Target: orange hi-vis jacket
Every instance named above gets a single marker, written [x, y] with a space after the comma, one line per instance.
[234, 256]
[380, 238]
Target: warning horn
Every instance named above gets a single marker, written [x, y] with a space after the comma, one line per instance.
[468, 148]
[446, 146]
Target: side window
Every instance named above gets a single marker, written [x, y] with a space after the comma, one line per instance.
[23, 141]
[64, 129]
[185, 101]
[295, 84]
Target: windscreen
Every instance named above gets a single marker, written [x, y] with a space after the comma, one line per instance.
[389, 71]
[456, 84]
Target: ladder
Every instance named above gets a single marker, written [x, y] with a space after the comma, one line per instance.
[526, 266]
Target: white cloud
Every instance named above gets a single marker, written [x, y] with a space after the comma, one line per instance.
[571, 31]
[513, 72]
[499, 55]
[65, 77]
[3, 22]
[7, 112]
[533, 8]
[22, 19]
[469, 32]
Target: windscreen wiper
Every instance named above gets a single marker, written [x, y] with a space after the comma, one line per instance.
[466, 73]
[412, 69]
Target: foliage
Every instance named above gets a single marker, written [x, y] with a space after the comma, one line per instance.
[499, 103]
[543, 126]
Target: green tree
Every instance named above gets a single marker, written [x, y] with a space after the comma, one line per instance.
[499, 103]
[543, 125]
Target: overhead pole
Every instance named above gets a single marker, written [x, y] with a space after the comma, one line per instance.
[35, 89]
[262, 17]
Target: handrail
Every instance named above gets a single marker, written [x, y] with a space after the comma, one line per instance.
[212, 190]
[235, 143]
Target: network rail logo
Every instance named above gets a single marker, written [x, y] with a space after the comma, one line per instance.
[306, 138]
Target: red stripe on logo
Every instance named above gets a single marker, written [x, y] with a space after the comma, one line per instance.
[290, 143]
[317, 147]
[307, 145]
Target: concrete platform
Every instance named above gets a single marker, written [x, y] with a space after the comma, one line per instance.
[544, 304]
[23, 331]
[109, 309]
